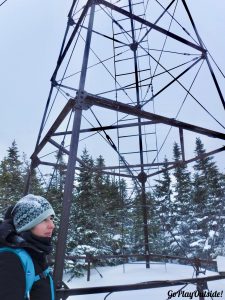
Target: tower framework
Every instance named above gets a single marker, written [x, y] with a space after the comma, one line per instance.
[130, 78]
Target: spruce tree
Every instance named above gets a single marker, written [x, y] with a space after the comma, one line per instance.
[11, 178]
[55, 189]
[97, 213]
[182, 189]
[164, 209]
[55, 186]
[36, 183]
[117, 217]
[101, 205]
[125, 213]
[100, 202]
[208, 198]
[83, 209]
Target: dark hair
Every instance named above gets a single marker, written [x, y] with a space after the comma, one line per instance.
[8, 213]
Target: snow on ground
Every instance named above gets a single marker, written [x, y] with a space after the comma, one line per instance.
[136, 273]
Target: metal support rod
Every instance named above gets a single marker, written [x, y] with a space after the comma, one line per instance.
[216, 82]
[68, 188]
[159, 18]
[191, 160]
[149, 24]
[65, 50]
[207, 60]
[110, 127]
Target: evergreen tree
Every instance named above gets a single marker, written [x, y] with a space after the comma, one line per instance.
[36, 184]
[116, 216]
[137, 232]
[55, 189]
[182, 188]
[125, 220]
[100, 195]
[11, 178]
[208, 198]
[82, 216]
[97, 212]
[164, 209]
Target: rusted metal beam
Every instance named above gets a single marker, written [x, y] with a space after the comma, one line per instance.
[132, 110]
[134, 166]
[138, 286]
[109, 127]
[55, 165]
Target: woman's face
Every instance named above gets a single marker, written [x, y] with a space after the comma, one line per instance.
[45, 228]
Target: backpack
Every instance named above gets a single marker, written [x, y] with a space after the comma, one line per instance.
[28, 267]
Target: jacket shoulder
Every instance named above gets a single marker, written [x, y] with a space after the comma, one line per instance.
[27, 264]
[12, 279]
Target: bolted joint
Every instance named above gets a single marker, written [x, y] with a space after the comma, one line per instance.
[54, 82]
[35, 162]
[134, 46]
[204, 54]
[142, 177]
[80, 101]
[71, 21]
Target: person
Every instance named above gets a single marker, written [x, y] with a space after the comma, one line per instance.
[28, 225]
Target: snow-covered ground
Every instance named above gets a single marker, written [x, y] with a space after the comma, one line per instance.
[136, 273]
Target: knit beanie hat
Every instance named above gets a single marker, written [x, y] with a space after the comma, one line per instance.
[29, 211]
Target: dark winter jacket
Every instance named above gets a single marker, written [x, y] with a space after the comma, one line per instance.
[12, 277]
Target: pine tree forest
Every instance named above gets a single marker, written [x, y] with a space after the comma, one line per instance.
[185, 209]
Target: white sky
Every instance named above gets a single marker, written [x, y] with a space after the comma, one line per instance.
[31, 33]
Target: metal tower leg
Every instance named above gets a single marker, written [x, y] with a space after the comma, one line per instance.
[67, 200]
[68, 189]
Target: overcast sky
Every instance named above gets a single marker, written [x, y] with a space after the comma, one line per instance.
[31, 34]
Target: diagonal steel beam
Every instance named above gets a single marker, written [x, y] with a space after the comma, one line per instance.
[64, 51]
[67, 108]
[149, 24]
[207, 60]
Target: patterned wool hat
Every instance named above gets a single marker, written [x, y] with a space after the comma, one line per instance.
[29, 211]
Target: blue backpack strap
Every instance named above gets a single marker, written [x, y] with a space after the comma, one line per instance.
[27, 264]
[28, 267]
[47, 273]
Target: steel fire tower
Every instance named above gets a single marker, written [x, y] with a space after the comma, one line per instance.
[129, 82]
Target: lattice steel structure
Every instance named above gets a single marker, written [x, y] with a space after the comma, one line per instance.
[129, 82]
